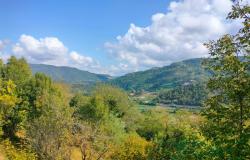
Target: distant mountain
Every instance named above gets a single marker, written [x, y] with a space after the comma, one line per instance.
[168, 77]
[155, 79]
[69, 75]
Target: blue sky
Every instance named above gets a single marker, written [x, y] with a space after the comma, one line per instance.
[82, 25]
[83, 33]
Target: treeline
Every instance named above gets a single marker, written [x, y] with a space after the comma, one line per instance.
[192, 94]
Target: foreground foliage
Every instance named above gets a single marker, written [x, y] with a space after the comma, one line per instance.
[228, 109]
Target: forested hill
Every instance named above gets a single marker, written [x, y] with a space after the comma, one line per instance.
[154, 79]
[69, 75]
[168, 77]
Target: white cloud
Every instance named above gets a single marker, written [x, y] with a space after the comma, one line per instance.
[86, 63]
[46, 50]
[3, 44]
[175, 35]
[79, 59]
[50, 50]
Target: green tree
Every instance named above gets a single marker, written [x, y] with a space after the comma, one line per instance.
[50, 132]
[94, 111]
[181, 139]
[119, 105]
[37, 86]
[178, 145]
[49, 118]
[18, 71]
[8, 100]
[107, 101]
[107, 112]
[153, 123]
[190, 94]
[228, 110]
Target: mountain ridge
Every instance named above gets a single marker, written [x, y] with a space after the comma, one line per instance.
[69, 75]
[166, 77]
[154, 79]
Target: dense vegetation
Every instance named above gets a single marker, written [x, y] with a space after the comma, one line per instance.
[43, 119]
[192, 94]
[167, 77]
[181, 83]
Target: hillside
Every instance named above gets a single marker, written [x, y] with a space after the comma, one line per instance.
[69, 75]
[167, 77]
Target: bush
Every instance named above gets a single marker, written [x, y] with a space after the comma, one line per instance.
[16, 153]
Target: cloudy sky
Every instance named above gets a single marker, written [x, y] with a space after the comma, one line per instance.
[111, 37]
